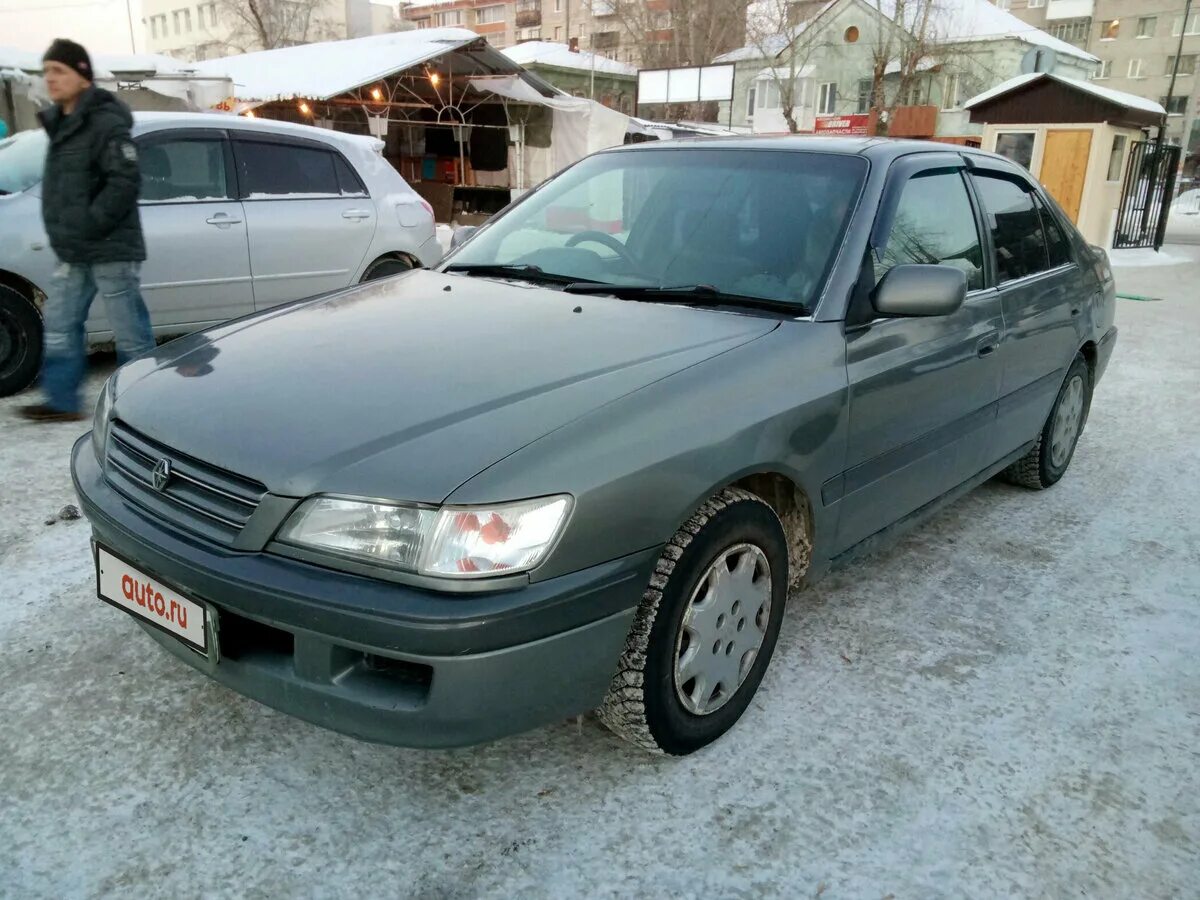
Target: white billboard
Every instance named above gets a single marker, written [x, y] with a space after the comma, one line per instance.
[688, 84]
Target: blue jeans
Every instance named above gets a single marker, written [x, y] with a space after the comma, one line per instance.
[72, 291]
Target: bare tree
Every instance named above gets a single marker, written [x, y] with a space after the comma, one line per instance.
[786, 34]
[677, 32]
[268, 24]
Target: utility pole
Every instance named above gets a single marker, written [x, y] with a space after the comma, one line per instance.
[1162, 129]
[133, 43]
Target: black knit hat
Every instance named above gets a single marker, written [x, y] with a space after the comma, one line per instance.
[71, 55]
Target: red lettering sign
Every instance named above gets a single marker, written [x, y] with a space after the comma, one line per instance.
[851, 124]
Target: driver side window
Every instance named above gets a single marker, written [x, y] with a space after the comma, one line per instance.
[934, 225]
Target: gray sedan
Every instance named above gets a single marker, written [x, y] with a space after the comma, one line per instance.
[239, 215]
[583, 463]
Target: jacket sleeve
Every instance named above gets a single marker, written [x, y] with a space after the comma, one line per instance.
[121, 177]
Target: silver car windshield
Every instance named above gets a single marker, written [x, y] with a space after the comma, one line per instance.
[22, 157]
[754, 223]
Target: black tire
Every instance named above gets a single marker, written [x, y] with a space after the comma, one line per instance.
[20, 341]
[643, 705]
[1038, 469]
[385, 268]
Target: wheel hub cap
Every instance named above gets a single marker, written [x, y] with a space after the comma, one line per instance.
[723, 628]
[1066, 422]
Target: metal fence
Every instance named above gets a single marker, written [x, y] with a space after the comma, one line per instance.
[1146, 195]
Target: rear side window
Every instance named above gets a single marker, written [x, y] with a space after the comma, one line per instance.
[348, 180]
[935, 225]
[1057, 247]
[270, 170]
[185, 170]
[1016, 227]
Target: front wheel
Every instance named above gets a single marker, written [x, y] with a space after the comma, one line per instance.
[20, 342]
[706, 629]
[1047, 460]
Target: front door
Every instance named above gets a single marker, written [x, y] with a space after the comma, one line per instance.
[197, 267]
[1064, 167]
[922, 390]
[1039, 282]
[309, 229]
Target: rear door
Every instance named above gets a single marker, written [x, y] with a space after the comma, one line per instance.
[1040, 287]
[197, 267]
[922, 390]
[309, 219]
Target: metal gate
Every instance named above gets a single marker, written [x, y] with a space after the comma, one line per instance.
[1146, 195]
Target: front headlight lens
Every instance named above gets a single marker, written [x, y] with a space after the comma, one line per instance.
[452, 542]
[100, 420]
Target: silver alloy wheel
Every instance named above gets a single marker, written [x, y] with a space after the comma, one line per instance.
[1066, 422]
[723, 627]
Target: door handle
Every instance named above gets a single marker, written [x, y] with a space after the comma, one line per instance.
[222, 219]
[987, 344]
[1074, 310]
[356, 214]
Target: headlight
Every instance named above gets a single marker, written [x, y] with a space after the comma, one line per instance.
[100, 420]
[451, 542]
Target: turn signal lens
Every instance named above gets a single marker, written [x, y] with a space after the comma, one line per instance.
[494, 540]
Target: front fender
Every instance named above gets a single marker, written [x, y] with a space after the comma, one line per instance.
[640, 466]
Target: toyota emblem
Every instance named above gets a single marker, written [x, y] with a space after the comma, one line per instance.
[162, 474]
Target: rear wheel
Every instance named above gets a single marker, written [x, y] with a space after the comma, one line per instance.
[386, 267]
[706, 629]
[1047, 461]
[20, 341]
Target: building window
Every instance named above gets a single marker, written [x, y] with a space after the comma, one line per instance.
[1193, 25]
[864, 96]
[1176, 105]
[1116, 157]
[489, 15]
[449, 17]
[1135, 68]
[1017, 146]
[1110, 29]
[1075, 30]
[558, 5]
[154, 26]
[1105, 69]
[187, 20]
[175, 20]
[750, 103]
[950, 92]
[558, 32]
[826, 98]
[1146, 26]
[1036, 4]
[1003, 4]
[1187, 64]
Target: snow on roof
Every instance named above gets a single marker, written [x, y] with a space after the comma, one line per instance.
[559, 55]
[953, 22]
[107, 65]
[771, 44]
[1120, 98]
[323, 70]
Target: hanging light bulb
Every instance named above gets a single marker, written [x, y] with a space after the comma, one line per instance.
[376, 94]
[304, 108]
[249, 114]
[434, 78]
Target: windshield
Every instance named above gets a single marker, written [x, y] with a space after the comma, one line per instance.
[761, 224]
[21, 159]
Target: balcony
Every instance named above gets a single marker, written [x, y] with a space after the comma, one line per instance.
[606, 40]
[1068, 9]
[913, 121]
[604, 8]
[529, 17]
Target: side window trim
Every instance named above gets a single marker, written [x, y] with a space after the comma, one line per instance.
[1045, 211]
[901, 172]
[203, 135]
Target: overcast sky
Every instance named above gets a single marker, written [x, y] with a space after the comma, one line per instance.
[100, 25]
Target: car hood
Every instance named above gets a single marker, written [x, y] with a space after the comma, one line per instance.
[407, 387]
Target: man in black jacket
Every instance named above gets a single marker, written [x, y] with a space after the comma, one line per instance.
[89, 206]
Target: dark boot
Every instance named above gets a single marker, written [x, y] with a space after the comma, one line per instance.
[40, 412]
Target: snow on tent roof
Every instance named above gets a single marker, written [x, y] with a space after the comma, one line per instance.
[1120, 98]
[555, 53]
[324, 70]
[953, 22]
[108, 65]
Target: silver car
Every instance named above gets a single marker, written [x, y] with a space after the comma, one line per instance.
[239, 215]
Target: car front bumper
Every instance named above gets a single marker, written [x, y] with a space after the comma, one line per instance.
[377, 660]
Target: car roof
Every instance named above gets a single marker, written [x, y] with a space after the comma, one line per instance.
[874, 148]
[156, 120]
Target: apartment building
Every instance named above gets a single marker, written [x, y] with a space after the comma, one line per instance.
[592, 25]
[1137, 42]
[208, 29]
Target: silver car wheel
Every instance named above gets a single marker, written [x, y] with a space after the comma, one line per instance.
[1066, 423]
[724, 625]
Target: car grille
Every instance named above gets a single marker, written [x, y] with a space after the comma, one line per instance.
[197, 496]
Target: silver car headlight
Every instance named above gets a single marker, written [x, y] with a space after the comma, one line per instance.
[101, 419]
[446, 542]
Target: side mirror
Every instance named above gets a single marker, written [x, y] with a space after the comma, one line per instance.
[919, 290]
[461, 233]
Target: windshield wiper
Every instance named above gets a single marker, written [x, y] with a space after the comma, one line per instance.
[691, 294]
[519, 271]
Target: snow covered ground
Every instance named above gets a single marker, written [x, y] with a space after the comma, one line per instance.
[1004, 704]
